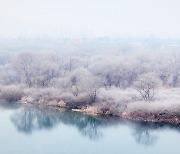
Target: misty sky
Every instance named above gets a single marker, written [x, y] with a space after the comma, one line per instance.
[56, 18]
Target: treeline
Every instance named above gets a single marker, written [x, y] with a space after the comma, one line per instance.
[114, 84]
[78, 74]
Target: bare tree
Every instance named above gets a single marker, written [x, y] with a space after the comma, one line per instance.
[147, 85]
[24, 67]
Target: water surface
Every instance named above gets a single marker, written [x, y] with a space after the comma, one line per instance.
[45, 130]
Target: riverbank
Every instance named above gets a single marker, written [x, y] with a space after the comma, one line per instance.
[139, 111]
[124, 103]
[140, 115]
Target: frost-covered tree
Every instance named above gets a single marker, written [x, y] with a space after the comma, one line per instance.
[92, 87]
[24, 67]
[147, 85]
[174, 64]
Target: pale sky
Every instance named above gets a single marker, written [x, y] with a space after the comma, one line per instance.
[56, 18]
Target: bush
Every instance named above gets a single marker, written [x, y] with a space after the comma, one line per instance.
[11, 93]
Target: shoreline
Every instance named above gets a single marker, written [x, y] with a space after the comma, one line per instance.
[137, 116]
[158, 119]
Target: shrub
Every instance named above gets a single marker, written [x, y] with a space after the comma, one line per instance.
[11, 93]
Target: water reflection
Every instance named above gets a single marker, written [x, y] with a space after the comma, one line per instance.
[28, 119]
[143, 135]
[9, 105]
[143, 131]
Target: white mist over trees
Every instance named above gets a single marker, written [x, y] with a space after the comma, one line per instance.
[81, 73]
[77, 78]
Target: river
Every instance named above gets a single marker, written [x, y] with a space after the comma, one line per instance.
[31, 129]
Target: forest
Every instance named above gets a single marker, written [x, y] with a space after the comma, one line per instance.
[136, 80]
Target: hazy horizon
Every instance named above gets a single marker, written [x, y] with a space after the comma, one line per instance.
[83, 18]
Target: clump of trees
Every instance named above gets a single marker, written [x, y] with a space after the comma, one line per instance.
[80, 76]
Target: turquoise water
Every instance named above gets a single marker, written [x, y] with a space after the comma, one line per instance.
[44, 130]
